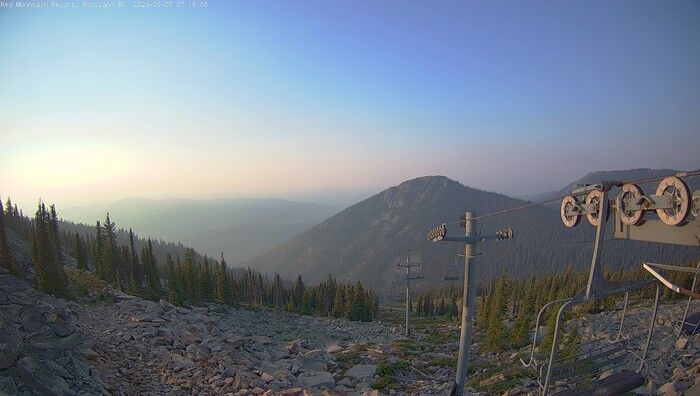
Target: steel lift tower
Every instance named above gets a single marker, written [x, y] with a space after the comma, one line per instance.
[409, 276]
[470, 239]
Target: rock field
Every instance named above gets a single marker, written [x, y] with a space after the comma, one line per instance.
[139, 347]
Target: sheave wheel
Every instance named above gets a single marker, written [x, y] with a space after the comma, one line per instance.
[567, 206]
[629, 217]
[594, 198]
[679, 195]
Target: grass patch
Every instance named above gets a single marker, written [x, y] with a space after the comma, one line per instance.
[403, 345]
[86, 283]
[390, 369]
[350, 358]
[387, 374]
[443, 361]
[363, 347]
[499, 388]
[434, 336]
[384, 383]
[512, 377]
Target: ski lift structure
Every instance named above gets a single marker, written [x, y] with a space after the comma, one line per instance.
[452, 271]
[676, 222]
[409, 275]
[470, 240]
[690, 325]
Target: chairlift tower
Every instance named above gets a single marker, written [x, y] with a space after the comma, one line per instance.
[676, 222]
[409, 276]
[470, 239]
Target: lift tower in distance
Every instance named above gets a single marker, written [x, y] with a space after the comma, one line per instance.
[409, 276]
[470, 239]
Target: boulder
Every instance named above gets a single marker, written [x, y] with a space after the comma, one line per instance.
[668, 389]
[304, 364]
[681, 343]
[293, 346]
[316, 379]
[317, 354]
[167, 307]
[9, 342]
[362, 371]
[41, 378]
[7, 385]
[60, 322]
[31, 318]
[291, 392]
[197, 352]
[11, 284]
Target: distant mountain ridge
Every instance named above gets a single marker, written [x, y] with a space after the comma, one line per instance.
[243, 228]
[619, 175]
[364, 241]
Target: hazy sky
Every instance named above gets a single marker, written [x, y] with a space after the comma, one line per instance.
[282, 98]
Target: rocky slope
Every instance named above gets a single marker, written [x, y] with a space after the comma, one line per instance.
[129, 346]
[42, 346]
[142, 347]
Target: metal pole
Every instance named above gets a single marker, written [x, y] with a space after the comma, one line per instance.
[624, 312]
[555, 346]
[595, 276]
[687, 305]
[465, 338]
[651, 328]
[537, 327]
[408, 293]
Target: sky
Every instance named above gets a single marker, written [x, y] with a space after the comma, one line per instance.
[329, 98]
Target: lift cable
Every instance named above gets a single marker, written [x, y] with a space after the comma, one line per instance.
[559, 198]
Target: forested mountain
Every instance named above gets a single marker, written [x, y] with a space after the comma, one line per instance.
[242, 228]
[65, 259]
[365, 241]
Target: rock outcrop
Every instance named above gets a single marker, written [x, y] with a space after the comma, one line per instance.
[42, 349]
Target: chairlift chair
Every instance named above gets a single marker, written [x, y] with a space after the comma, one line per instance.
[452, 272]
[594, 356]
[688, 324]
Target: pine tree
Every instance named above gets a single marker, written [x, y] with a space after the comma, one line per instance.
[223, 285]
[482, 314]
[442, 308]
[6, 259]
[189, 275]
[134, 269]
[9, 214]
[571, 341]
[98, 249]
[53, 221]
[278, 292]
[497, 308]
[428, 304]
[339, 303]
[205, 281]
[109, 255]
[549, 328]
[133, 288]
[175, 291]
[298, 291]
[454, 310]
[80, 253]
[150, 267]
[523, 320]
[50, 277]
[307, 303]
